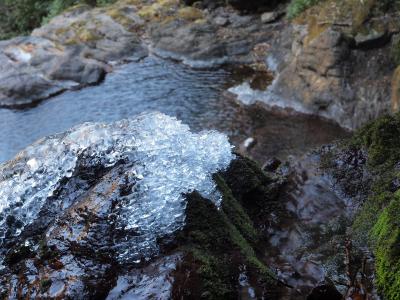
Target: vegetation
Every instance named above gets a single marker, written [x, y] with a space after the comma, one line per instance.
[22, 16]
[381, 212]
[396, 50]
[296, 7]
[378, 219]
[219, 244]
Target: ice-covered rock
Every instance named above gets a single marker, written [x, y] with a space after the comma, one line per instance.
[165, 162]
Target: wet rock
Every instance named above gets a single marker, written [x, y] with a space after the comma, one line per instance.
[373, 39]
[366, 169]
[221, 21]
[192, 42]
[72, 50]
[74, 69]
[320, 70]
[349, 170]
[324, 73]
[269, 17]
[221, 37]
[271, 165]
[72, 243]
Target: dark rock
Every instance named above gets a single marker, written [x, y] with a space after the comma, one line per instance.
[70, 250]
[271, 165]
[372, 40]
[325, 291]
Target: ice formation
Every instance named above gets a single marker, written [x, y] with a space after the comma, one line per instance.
[167, 161]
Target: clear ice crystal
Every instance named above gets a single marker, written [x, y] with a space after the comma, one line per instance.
[167, 161]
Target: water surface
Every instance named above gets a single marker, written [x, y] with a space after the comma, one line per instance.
[194, 96]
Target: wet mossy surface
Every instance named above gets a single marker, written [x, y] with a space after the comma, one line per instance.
[219, 244]
[377, 220]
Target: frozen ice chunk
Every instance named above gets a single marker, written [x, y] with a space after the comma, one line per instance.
[167, 161]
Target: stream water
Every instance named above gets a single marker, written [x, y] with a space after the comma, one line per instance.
[194, 96]
[199, 99]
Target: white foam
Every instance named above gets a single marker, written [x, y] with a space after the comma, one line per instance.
[248, 96]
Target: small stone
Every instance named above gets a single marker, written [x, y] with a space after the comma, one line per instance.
[271, 165]
[221, 21]
[249, 143]
[205, 295]
[372, 39]
[269, 17]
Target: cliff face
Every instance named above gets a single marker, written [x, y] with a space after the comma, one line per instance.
[340, 62]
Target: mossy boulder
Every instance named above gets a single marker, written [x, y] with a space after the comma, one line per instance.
[72, 254]
[377, 220]
[220, 244]
[386, 237]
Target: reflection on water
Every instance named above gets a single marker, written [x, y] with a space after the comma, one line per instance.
[193, 96]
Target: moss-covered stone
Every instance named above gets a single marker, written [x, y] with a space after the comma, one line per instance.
[386, 237]
[382, 141]
[190, 13]
[378, 217]
[219, 243]
[353, 16]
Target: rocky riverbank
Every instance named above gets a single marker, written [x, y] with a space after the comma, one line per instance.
[333, 60]
[80, 46]
[144, 208]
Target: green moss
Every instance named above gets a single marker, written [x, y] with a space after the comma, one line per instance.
[378, 219]
[296, 7]
[386, 237]
[395, 51]
[45, 285]
[235, 211]
[218, 242]
[382, 141]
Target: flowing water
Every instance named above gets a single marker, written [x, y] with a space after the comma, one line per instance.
[194, 96]
[199, 99]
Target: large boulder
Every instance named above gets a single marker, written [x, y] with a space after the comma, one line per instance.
[337, 61]
[140, 208]
[73, 50]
